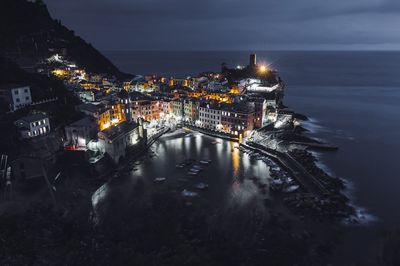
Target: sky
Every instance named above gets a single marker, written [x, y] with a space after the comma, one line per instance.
[233, 24]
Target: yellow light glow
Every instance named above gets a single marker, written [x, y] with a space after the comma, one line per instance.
[263, 69]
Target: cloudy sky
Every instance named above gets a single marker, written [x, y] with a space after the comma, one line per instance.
[233, 24]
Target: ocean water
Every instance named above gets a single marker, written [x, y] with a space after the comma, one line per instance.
[352, 100]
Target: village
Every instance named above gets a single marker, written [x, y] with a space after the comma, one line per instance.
[120, 114]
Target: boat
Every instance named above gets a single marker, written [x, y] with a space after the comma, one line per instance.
[291, 189]
[192, 173]
[275, 168]
[194, 170]
[204, 162]
[180, 166]
[197, 167]
[201, 186]
[187, 193]
[159, 179]
[277, 181]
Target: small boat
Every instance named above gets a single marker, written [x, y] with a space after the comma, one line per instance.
[201, 186]
[180, 166]
[192, 173]
[197, 167]
[275, 168]
[204, 162]
[187, 193]
[194, 170]
[159, 179]
[277, 182]
[291, 189]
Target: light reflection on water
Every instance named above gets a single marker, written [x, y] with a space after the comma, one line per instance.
[227, 175]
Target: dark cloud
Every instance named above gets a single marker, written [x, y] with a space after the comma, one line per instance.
[233, 24]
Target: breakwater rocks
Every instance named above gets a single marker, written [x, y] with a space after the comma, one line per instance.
[308, 161]
[328, 205]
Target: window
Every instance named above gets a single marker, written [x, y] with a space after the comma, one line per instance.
[26, 90]
[17, 100]
[16, 92]
[27, 98]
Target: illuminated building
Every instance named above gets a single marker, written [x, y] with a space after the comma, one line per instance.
[116, 140]
[61, 73]
[147, 109]
[196, 94]
[105, 116]
[79, 133]
[166, 107]
[177, 107]
[190, 110]
[209, 117]
[237, 119]
[33, 125]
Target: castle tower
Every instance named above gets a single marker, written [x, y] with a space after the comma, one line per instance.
[253, 60]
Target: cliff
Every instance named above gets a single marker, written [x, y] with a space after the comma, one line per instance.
[28, 33]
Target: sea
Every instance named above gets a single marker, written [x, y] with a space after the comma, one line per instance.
[352, 100]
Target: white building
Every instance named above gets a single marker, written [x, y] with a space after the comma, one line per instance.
[79, 133]
[209, 117]
[33, 125]
[16, 96]
[256, 85]
[116, 140]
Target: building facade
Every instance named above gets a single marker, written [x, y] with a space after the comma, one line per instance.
[209, 117]
[33, 125]
[79, 133]
[16, 96]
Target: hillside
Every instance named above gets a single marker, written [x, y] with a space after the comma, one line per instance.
[28, 33]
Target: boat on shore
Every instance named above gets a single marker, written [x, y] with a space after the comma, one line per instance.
[201, 186]
[180, 166]
[291, 189]
[189, 194]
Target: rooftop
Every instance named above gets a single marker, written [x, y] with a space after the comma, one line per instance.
[12, 86]
[33, 117]
[90, 107]
[116, 131]
[87, 120]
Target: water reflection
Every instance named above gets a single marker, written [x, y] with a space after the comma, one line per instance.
[235, 160]
[227, 175]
